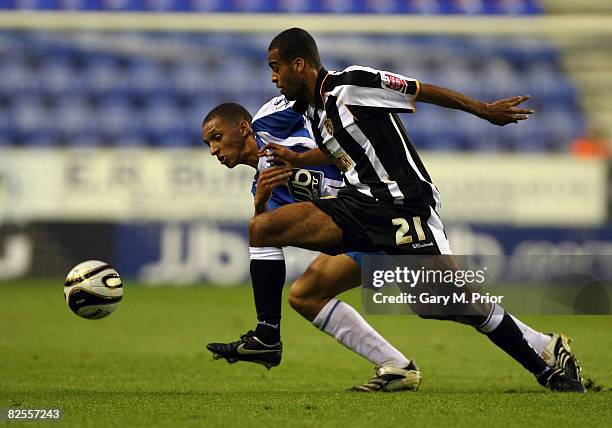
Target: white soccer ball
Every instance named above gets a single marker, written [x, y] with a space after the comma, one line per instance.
[93, 289]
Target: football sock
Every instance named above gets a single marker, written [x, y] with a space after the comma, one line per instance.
[536, 339]
[501, 329]
[268, 279]
[349, 328]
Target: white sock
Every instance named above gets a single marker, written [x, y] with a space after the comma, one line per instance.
[266, 253]
[537, 340]
[493, 320]
[349, 328]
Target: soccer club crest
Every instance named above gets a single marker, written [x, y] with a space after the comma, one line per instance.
[329, 126]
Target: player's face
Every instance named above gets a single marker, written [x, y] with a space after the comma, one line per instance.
[225, 140]
[286, 75]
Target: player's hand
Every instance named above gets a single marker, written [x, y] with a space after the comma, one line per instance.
[270, 179]
[279, 155]
[505, 111]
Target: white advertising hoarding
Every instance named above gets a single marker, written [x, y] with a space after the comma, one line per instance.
[124, 184]
[188, 184]
[520, 189]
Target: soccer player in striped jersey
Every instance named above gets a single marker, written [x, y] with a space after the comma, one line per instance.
[389, 202]
[278, 127]
[234, 138]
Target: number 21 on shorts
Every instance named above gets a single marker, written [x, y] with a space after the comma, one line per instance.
[403, 234]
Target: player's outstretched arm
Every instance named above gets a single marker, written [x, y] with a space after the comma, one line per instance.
[500, 112]
[282, 155]
[269, 179]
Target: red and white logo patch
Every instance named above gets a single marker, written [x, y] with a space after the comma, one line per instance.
[394, 83]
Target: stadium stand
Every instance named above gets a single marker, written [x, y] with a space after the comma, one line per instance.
[288, 6]
[152, 89]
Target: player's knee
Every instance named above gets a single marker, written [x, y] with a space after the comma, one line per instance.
[303, 305]
[257, 231]
[306, 301]
[296, 301]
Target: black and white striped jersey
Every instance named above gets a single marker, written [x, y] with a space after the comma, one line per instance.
[355, 122]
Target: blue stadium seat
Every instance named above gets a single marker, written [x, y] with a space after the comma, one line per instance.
[59, 76]
[130, 139]
[84, 140]
[548, 82]
[525, 136]
[166, 5]
[499, 80]
[469, 7]
[199, 108]
[386, 7]
[254, 6]
[209, 5]
[5, 112]
[192, 77]
[562, 127]
[117, 115]
[16, 76]
[34, 4]
[75, 114]
[426, 7]
[162, 116]
[42, 139]
[104, 73]
[123, 5]
[298, 6]
[79, 4]
[179, 138]
[29, 115]
[145, 76]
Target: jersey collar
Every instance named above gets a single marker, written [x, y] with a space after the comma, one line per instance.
[318, 95]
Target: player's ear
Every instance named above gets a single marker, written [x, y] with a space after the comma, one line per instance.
[298, 64]
[245, 128]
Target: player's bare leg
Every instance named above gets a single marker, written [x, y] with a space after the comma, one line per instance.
[304, 225]
[326, 277]
[559, 371]
[313, 296]
[296, 225]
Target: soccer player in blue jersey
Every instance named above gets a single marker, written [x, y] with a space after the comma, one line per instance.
[234, 138]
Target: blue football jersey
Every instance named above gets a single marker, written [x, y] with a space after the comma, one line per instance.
[277, 122]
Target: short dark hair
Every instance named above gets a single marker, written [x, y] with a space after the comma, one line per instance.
[296, 43]
[230, 112]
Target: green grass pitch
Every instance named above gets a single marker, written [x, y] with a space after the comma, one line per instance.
[146, 365]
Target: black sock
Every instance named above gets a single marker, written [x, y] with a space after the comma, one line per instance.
[268, 279]
[509, 337]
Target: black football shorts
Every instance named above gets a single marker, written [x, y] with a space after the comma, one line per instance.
[369, 225]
